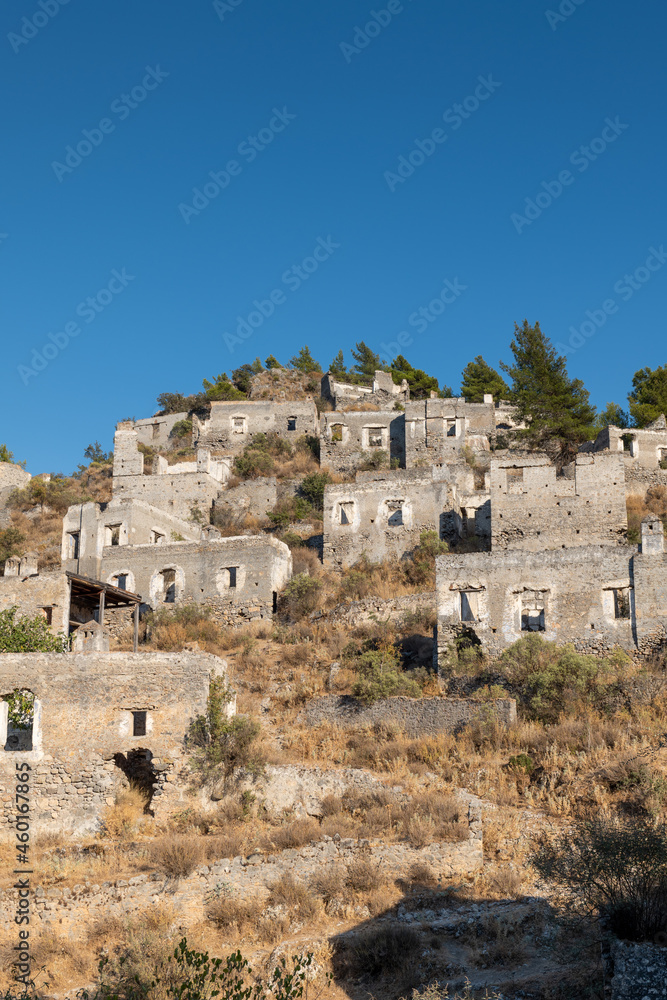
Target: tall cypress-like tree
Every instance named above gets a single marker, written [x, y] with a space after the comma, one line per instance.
[337, 367]
[304, 361]
[556, 408]
[478, 379]
[367, 361]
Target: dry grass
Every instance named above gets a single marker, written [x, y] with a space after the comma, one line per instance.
[363, 875]
[227, 845]
[177, 856]
[294, 834]
[295, 896]
[329, 883]
[122, 818]
[231, 911]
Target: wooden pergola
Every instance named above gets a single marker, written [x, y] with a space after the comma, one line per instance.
[96, 596]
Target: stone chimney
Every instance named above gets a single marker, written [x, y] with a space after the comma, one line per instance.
[12, 566]
[653, 536]
[28, 564]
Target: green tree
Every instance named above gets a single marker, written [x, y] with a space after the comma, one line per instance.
[648, 398]
[11, 541]
[312, 487]
[5, 454]
[28, 635]
[222, 388]
[555, 407]
[221, 743]
[272, 362]
[421, 385]
[94, 453]
[367, 362]
[176, 402]
[613, 415]
[478, 379]
[337, 367]
[304, 361]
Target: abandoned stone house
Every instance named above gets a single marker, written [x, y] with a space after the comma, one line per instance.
[185, 489]
[350, 439]
[156, 432]
[98, 721]
[534, 509]
[382, 393]
[596, 597]
[645, 447]
[36, 593]
[232, 425]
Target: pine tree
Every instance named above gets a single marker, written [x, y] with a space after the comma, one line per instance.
[272, 362]
[479, 379]
[421, 385]
[222, 388]
[555, 408]
[367, 362]
[614, 415]
[648, 398]
[337, 367]
[5, 454]
[304, 362]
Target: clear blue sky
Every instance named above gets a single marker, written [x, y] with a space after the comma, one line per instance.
[340, 108]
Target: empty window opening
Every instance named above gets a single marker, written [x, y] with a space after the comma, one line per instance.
[374, 437]
[48, 615]
[157, 538]
[395, 508]
[156, 430]
[275, 601]
[532, 611]
[622, 603]
[469, 605]
[20, 719]
[291, 423]
[238, 425]
[168, 586]
[336, 433]
[450, 428]
[139, 723]
[120, 581]
[231, 570]
[112, 534]
[346, 513]
[73, 540]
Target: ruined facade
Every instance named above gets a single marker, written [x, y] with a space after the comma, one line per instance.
[595, 596]
[185, 489]
[646, 446]
[534, 509]
[100, 720]
[156, 432]
[45, 594]
[382, 393]
[232, 425]
[349, 439]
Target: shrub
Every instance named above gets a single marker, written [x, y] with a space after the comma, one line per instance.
[382, 951]
[258, 458]
[299, 598]
[380, 676]
[181, 429]
[11, 542]
[312, 487]
[363, 876]
[177, 856]
[121, 818]
[376, 460]
[28, 635]
[617, 867]
[294, 896]
[227, 910]
[329, 883]
[295, 834]
[221, 744]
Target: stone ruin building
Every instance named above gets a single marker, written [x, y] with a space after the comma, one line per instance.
[12, 477]
[646, 446]
[232, 425]
[98, 721]
[559, 564]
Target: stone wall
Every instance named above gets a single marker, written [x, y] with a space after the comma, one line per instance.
[638, 480]
[12, 477]
[371, 609]
[383, 517]
[253, 497]
[647, 446]
[437, 430]
[534, 509]
[83, 733]
[415, 716]
[72, 912]
[232, 425]
[38, 594]
[155, 432]
[382, 393]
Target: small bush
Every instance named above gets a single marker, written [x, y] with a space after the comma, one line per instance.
[177, 856]
[227, 911]
[382, 951]
[221, 745]
[329, 883]
[617, 867]
[312, 488]
[363, 875]
[121, 818]
[226, 845]
[299, 598]
[380, 676]
[294, 896]
[28, 635]
[295, 834]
